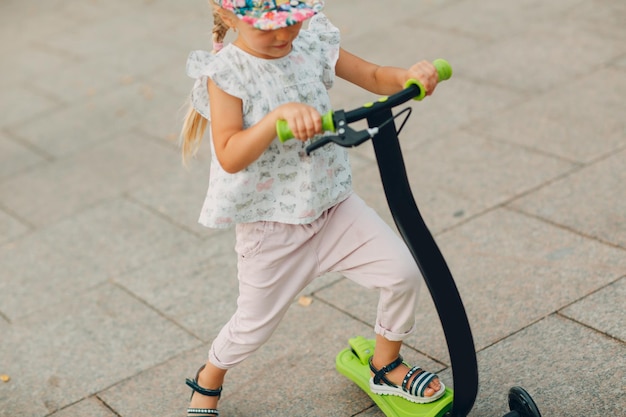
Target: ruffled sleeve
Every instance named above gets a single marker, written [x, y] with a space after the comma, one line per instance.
[330, 39]
[202, 65]
[198, 64]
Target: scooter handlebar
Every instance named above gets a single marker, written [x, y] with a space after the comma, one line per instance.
[444, 71]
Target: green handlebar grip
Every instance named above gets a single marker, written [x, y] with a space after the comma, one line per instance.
[284, 133]
[444, 70]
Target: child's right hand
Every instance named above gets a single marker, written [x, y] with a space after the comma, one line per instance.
[303, 120]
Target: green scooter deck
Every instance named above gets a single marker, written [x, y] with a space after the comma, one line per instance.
[353, 363]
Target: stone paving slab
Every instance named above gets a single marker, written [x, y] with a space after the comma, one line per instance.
[40, 277]
[458, 176]
[63, 187]
[492, 19]
[163, 120]
[91, 407]
[196, 288]
[19, 104]
[530, 267]
[544, 121]
[69, 186]
[373, 15]
[139, 161]
[603, 310]
[590, 201]
[551, 55]
[603, 17]
[10, 227]
[15, 157]
[179, 195]
[560, 387]
[136, 396]
[415, 40]
[100, 338]
[84, 125]
[140, 236]
[77, 81]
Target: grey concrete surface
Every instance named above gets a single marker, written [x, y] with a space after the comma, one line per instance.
[110, 292]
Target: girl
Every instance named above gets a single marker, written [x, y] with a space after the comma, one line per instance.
[296, 216]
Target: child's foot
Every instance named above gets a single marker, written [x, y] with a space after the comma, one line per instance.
[413, 384]
[203, 400]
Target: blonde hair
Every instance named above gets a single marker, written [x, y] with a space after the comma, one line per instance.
[194, 124]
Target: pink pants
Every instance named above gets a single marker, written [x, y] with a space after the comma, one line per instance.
[276, 261]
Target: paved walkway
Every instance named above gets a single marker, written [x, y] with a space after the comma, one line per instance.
[110, 292]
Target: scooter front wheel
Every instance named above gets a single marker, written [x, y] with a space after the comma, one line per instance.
[521, 404]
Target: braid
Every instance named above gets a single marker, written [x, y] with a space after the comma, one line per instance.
[219, 31]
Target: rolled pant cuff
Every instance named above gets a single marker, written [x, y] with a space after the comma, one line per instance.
[392, 336]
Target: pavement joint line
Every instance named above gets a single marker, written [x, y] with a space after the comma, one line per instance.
[593, 329]
[129, 197]
[567, 228]
[595, 291]
[152, 308]
[22, 141]
[106, 405]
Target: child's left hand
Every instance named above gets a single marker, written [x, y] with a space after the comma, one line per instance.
[426, 73]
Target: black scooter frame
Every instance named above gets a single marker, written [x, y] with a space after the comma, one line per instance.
[410, 224]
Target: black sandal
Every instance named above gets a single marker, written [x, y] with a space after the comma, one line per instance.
[414, 392]
[202, 412]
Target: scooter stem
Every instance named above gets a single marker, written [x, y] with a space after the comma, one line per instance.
[430, 261]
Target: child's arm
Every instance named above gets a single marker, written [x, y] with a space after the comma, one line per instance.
[236, 147]
[381, 79]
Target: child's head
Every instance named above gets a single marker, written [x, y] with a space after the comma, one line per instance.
[271, 14]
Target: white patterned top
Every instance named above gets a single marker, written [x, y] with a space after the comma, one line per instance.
[283, 184]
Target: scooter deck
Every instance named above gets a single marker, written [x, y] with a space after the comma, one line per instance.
[353, 363]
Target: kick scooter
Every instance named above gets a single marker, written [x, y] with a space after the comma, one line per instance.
[353, 361]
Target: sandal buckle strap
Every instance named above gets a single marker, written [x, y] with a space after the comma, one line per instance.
[193, 384]
[379, 374]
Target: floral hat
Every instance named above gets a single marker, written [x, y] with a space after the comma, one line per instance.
[272, 14]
